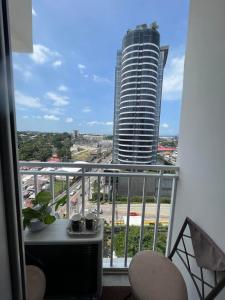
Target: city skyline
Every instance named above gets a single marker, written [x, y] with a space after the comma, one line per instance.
[68, 82]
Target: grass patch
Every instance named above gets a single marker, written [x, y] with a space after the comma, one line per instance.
[83, 156]
[133, 199]
[59, 187]
[133, 239]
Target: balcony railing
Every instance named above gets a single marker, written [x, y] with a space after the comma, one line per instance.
[124, 195]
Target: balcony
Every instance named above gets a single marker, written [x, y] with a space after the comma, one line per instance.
[199, 191]
[136, 202]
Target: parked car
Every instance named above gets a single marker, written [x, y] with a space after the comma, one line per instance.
[95, 211]
[133, 213]
[72, 193]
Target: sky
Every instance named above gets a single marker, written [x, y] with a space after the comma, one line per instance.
[67, 83]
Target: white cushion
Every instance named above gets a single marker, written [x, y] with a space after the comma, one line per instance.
[154, 277]
[36, 283]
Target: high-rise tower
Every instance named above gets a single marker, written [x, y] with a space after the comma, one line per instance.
[138, 90]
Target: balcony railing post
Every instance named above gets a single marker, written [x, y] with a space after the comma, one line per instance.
[98, 200]
[156, 227]
[83, 191]
[35, 184]
[103, 198]
[109, 191]
[21, 190]
[142, 215]
[68, 196]
[128, 221]
[89, 187]
[52, 187]
[113, 220]
[172, 208]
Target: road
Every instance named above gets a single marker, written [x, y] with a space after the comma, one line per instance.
[77, 197]
[150, 211]
[120, 209]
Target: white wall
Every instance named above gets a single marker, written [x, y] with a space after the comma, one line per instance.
[20, 14]
[201, 187]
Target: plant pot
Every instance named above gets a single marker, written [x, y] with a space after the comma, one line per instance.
[37, 225]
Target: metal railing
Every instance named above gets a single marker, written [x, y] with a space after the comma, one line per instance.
[110, 182]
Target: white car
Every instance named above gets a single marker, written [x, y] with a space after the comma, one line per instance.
[95, 211]
[72, 193]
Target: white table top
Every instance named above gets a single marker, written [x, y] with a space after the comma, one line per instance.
[56, 233]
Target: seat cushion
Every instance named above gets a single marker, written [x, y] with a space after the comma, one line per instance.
[154, 277]
[35, 283]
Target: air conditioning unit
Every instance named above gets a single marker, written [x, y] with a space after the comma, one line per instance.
[72, 265]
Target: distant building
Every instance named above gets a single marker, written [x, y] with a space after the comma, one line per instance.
[54, 158]
[75, 134]
[138, 89]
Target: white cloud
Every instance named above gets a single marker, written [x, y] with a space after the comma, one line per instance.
[69, 120]
[58, 100]
[34, 12]
[62, 88]
[53, 110]
[173, 78]
[165, 125]
[99, 79]
[93, 123]
[42, 54]
[25, 117]
[27, 101]
[86, 109]
[57, 64]
[81, 67]
[51, 118]
[25, 72]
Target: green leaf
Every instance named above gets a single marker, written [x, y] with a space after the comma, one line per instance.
[26, 223]
[48, 219]
[42, 198]
[30, 213]
[61, 202]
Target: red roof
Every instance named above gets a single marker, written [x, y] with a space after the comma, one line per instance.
[161, 148]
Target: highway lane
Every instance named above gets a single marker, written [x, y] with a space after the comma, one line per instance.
[150, 211]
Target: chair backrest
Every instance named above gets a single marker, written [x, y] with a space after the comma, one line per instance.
[203, 259]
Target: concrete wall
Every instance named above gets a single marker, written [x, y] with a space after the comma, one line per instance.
[136, 188]
[201, 187]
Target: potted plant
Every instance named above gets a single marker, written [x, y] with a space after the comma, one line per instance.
[39, 215]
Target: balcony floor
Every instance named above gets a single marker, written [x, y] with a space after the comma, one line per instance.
[116, 293]
[115, 287]
[108, 293]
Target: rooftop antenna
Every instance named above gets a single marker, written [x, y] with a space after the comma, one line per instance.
[154, 25]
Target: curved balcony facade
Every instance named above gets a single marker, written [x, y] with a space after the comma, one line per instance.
[137, 105]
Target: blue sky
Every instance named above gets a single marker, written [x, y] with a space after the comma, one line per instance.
[68, 81]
